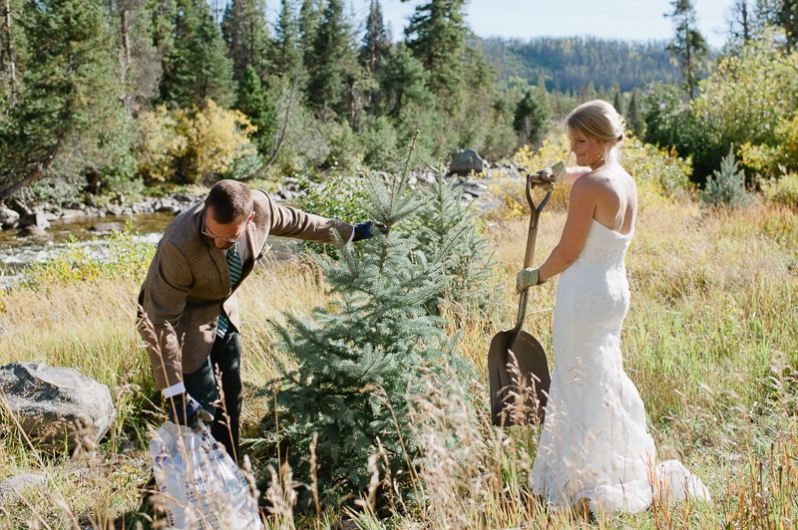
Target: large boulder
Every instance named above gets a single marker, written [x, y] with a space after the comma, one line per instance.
[467, 161]
[57, 407]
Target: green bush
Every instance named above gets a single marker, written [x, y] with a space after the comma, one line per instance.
[783, 191]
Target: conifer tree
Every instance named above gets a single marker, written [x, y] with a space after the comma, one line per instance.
[287, 54]
[376, 42]
[617, 99]
[448, 228]
[530, 120]
[404, 83]
[688, 46]
[253, 101]
[246, 31]
[436, 34]
[310, 15]
[333, 70]
[727, 188]
[358, 361]
[634, 117]
[198, 68]
[67, 98]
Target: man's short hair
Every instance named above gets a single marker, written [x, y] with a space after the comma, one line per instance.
[229, 200]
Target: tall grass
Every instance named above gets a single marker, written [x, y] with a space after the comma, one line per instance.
[709, 341]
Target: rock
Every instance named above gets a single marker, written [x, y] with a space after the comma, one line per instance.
[182, 197]
[38, 220]
[91, 200]
[168, 208]
[72, 214]
[105, 227]
[467, 161]
[57, 406]
[8, 218]
[13, 488]
[18, 206]
[32, 230]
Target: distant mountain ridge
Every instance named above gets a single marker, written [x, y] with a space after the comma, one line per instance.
[572, 63]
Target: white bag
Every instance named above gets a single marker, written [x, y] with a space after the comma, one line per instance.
[201, 486]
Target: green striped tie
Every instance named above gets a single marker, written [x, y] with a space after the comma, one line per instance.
[234, 264]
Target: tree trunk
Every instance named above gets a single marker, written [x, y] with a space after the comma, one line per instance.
[12, 67]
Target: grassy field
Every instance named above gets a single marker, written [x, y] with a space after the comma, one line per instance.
[709, 340]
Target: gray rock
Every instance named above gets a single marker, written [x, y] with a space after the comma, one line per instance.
[13, 488]
[38, 220]
[105, 227]
[19, 206]
[8, 218]
[467, 161]
[168, 208]
[32, 230]
[72, 214]
[56, 406]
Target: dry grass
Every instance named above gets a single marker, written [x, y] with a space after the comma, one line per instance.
[709, 341]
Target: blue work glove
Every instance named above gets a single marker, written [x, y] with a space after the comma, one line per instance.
[362, 231]
[185, 410]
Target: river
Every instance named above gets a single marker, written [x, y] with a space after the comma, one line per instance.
[18, 252]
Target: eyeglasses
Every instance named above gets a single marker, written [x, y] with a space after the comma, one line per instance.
[235, 239]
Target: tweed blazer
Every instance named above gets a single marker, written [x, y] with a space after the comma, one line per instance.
[188, 282]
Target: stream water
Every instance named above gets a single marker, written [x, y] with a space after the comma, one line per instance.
[18, 252]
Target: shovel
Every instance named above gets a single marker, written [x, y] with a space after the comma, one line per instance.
[517, 364]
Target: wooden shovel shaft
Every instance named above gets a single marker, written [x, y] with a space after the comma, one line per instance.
[529, 255]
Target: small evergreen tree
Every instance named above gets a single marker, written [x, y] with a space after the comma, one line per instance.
[253, 101]
[727, 188]
[530, 120]
[448, 227]
[359, 360]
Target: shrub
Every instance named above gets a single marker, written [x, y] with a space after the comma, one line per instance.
[783, 191]
[189, 145]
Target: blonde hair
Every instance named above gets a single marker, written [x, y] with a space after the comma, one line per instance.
[598, 119]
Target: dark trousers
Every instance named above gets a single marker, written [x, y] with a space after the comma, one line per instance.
[202, 386]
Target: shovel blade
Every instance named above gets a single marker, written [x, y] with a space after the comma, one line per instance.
[533, 384]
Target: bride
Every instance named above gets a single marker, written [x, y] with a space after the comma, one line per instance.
[595, 447]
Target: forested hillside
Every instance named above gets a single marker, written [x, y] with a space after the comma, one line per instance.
[571, 64]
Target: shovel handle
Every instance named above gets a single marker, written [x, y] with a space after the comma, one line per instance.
[529, 255]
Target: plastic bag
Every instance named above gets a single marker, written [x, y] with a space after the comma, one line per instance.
[200, 485]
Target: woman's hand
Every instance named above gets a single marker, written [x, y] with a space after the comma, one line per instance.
[527, 278]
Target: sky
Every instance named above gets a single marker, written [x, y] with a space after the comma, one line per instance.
[640, 20]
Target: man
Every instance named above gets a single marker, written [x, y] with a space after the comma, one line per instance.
[190, 317]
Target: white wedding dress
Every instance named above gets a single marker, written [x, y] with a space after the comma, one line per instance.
[594, 443]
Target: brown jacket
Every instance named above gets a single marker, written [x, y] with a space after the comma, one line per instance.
[188, 281]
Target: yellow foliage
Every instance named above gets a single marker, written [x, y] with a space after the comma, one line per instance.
[188, 145]
[158, 144]
[661, 175]
[216, 138]
[774, 160]
[783, 191]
